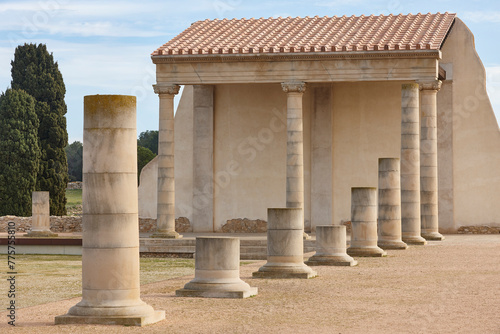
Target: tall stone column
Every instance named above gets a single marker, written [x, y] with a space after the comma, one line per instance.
[410, 165]
[165, 214]
[294, 146]
[110, 252]
[40, 217]
[428, 161]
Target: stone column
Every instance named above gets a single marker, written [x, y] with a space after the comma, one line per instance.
[410, 165]
[285, 246]
[389, 204]
[364, 223]
[217, 270]
[110, 252]
[294, 146]
[331, 247]
[40, 217]
[428, 161]
[165, 214]
[203, 158]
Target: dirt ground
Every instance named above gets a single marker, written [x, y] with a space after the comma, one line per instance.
[452, 286]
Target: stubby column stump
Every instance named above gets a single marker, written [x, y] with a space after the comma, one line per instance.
[389, 204]
[110, 250]
[364, 223]
[40, 217]
[217, 270]
[331, 247]
[285, 246]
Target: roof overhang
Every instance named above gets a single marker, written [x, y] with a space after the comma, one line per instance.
[400, 65]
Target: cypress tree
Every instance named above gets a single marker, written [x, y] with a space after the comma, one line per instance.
[19, 152]
[34, 71]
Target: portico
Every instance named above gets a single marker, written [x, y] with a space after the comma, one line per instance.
[244, 163]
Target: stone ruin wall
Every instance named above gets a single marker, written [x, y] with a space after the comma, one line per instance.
[68, 224]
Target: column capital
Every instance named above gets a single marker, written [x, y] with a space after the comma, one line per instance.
[430, 85]
[166, 89]
[293, 87]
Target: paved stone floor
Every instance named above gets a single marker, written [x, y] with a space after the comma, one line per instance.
[450, 286]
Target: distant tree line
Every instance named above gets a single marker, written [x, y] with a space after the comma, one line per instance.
[33, 133]
[147, 149]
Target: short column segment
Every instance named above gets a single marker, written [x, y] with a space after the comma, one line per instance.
[331, 247]
[110, 250]
[285, 245]
[165, 214]
[410, 165]
[364, 223]
[217, 270]
[40, 217]
[429, 161]
[389, 204]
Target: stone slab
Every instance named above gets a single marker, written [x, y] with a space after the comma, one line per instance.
[110, 320]
[281, 274]
[216, 294]
[330, 261]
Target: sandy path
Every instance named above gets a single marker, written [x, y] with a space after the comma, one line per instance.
[445, 287]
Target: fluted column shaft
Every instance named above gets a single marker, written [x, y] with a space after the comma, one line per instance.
[428, 161]
[410, 165]
[294, 145]
[166, 179]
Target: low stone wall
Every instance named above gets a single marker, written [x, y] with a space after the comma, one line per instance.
[74, 185]
[244, 225]
[68, 224]
[482, 229]
[58, 224]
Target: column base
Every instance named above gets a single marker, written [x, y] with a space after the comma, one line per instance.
[307, 236]
[138, 320]
[166, 235]
[285, 271]
[209, 293]
[334, 260]
[432, 236]
[392, 244]
[366, 251]
[40, 234]
[414, 240]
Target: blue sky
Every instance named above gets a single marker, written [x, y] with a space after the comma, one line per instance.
[103, 47]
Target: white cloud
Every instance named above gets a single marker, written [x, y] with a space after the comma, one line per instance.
[481, 16]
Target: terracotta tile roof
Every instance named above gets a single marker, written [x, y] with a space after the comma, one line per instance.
[311, 34]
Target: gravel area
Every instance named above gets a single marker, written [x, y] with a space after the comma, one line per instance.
[445, 287]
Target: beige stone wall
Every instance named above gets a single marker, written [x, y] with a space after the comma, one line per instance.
[249, 151]
[366, 127]
[470, 130]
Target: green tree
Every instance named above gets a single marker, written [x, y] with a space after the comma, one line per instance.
[149, 139]
[34, 71]
[74, 155]
[19, 152]
[144, 155]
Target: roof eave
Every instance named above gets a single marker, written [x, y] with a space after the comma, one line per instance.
[297, 56]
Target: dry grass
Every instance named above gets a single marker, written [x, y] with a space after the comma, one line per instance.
[42, 279]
